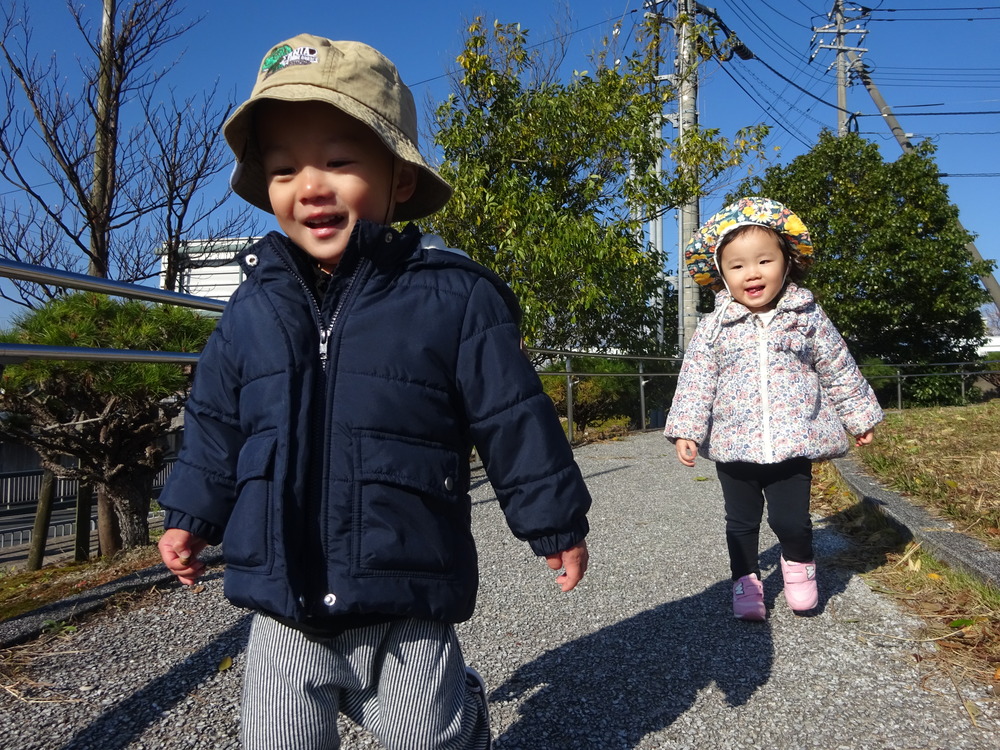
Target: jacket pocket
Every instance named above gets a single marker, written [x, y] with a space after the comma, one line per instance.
[247, 542]
[411, 504]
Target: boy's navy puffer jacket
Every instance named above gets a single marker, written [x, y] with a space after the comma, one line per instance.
[329, 448]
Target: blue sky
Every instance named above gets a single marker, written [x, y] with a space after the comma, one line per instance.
[927, 63]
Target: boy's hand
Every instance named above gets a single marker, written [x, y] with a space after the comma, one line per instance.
[573, 561]
[864, 438]
[687, 451]
[179, 550]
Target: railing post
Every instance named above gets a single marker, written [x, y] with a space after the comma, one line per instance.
[899, 389]
[642, 399]
[569, 400]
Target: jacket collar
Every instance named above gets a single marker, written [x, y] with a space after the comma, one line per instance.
[793, 298]
[384, 245]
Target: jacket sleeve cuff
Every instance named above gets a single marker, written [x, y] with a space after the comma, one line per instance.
[551, 545]
[175, 519]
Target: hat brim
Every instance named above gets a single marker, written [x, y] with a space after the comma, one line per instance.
[250, 183]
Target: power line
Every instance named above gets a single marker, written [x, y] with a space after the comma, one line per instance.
[931, 10]
[934, 114]
[787, 127]
[924, 20]
[934, 134]
[787, 18]
[804, 91]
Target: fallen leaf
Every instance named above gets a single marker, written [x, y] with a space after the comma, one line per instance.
[961, 623]
[934, 576]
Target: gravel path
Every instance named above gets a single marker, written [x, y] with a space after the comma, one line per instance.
[644, 654]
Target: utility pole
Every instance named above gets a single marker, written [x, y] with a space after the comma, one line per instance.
[849, 60]
[841, 62]
[685, 120]
[688, 219]
[656, 220]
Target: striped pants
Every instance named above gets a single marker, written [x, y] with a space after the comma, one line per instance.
[403, 680]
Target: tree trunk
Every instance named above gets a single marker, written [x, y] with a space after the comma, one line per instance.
[105, 146]
[109, 540]
[84, 505]
[131, 500]
[43, 516]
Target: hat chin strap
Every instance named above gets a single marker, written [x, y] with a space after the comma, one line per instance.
[391, 208]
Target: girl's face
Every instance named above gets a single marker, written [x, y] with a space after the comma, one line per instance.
[754, 269]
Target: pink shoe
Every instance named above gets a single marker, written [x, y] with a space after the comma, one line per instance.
[800, 585]
[748, 599]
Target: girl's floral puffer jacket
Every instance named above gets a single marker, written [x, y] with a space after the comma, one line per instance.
[766, 393]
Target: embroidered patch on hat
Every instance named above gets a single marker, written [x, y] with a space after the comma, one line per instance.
[285, 55]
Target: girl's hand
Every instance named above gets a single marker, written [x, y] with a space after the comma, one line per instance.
[687, 451]
[865, 437]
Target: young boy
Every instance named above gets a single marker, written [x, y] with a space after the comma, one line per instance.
[333, 413]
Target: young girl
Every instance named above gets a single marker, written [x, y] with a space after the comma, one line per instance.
[767, 387]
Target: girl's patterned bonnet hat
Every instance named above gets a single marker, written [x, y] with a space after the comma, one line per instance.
[700, 252]
[354, 78]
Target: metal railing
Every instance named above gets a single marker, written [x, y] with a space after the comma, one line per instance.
[900, 373]
[13, 353]
[21, 537]
[642, 376]
[965, 371]
[16, 353]
[20, 488]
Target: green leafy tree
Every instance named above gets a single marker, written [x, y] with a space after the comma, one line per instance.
[109, 416]
[554, 182]
[891, 266]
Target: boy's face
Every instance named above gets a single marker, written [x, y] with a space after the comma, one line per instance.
[754, 268]
[325, 170]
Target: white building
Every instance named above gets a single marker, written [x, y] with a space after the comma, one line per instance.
[992, 345]
[208, 268]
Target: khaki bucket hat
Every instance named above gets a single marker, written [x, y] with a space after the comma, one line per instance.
[354, 78]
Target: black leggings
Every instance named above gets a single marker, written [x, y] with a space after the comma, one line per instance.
[786, 487]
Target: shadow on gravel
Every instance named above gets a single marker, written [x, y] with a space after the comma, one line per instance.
[610, 689]
[127, 720]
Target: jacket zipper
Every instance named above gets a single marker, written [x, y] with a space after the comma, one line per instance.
[765, 397]
[326, 331]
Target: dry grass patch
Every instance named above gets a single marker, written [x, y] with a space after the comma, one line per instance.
[21, 591]
[946, 459]
[961, 615]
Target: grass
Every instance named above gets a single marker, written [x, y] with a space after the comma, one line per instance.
[22, 591]
[945, 459]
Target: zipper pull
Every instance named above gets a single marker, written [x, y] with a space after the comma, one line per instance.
[324, 339]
